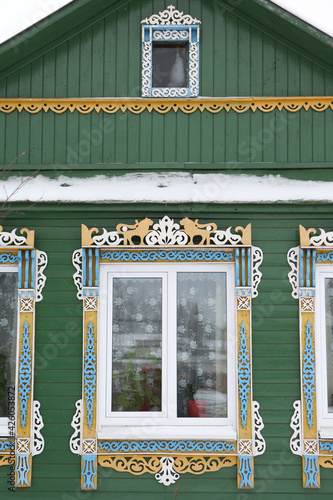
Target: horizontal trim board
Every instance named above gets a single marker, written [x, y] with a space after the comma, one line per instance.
[170, 187]
[138, 105]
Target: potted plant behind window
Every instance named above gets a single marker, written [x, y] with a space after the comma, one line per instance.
[195, 407]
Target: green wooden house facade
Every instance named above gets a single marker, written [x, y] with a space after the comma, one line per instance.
[221, 174]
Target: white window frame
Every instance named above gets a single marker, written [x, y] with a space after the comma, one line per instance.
[160, 449]
[170, 26]
[165, 424]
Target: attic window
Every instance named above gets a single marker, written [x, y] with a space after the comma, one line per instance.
[170, 55]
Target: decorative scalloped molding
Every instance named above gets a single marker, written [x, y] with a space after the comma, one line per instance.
[160, 105]
[292, 258]
[41, 278]
[38, 424]
[258, 424]
[75, 440]
[170, 16]
[12, 239]
[77, 263]
[257, 258]
[296, 440]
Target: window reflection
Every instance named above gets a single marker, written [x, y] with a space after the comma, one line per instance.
[170, 64]
[136, 344]
[201, 345]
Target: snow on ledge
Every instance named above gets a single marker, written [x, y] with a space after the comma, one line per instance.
[166, 187]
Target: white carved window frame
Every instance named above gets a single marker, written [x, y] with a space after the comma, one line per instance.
[170, 26]
[22, 439]
[312, 437]
[168, 457]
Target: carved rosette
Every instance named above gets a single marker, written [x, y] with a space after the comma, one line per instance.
[167, 240]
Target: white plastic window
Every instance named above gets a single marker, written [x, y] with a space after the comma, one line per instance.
[167, 350]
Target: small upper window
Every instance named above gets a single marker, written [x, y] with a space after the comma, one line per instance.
[170, 55]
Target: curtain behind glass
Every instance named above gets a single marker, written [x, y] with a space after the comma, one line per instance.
[8, 335]
[136, 344]
[201, 345]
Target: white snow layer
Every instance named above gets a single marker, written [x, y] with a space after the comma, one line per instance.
[170, 187]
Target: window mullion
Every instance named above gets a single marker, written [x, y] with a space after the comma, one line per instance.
[172, 344]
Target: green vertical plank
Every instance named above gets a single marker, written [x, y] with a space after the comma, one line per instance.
[37, 75]
[49, 74]
[72, 153]
[220, 42]
[293, 66]
[48, 137]
[85, 62]
[134, 49]
[97, 59]
[206, 53]
[281, 75]
[170, 137]
[110, 44]
[145, 136]
[121, 137]
[244, 56]
[195, 130]
[157, 137]
[281, 134]
[84, 145]
[122, 53]
[328, 135]
[12, 85]
[328, 80]
[256, 66]
[182, 141]
[61, 70]
[231, 68]
[73, 80]
[109, 133]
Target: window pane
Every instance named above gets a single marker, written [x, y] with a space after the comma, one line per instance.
[170, 64]
[8, 334]
[329, 341]
[136, 344]
[201, 345]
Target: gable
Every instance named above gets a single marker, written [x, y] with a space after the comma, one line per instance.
[239, 56]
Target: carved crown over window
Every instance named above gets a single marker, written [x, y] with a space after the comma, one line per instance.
[170, 16]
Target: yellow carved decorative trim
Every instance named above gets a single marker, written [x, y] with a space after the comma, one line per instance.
[326, 462]
[140, 464]
[304, 235]
[136, 465]
[6, 460]
[200, 465]
[138, 105]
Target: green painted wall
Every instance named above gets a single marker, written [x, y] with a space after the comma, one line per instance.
[104, 59]
[238, 57]
[275, 354]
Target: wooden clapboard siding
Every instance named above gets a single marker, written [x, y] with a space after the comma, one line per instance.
[277, 140]
[275, 350]
[104, 59]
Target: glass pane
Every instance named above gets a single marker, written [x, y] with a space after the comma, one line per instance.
[201, 345]
[329, 341]
[8, 334]
[136, 344]
[170, 64]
